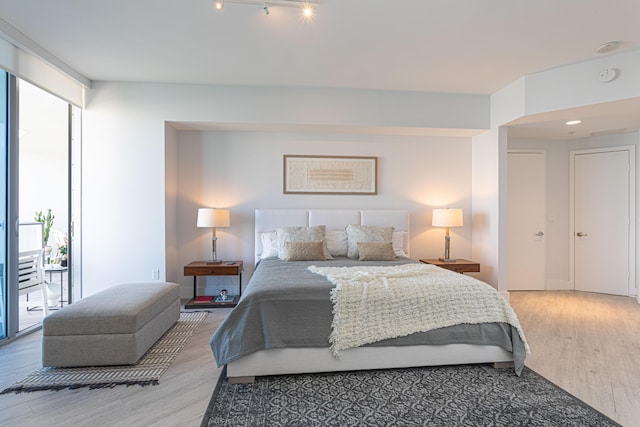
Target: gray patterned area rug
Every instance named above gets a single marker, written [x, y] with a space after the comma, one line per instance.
[151, 366]
[468, 395]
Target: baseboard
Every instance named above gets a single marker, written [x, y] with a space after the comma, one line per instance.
[558, 285]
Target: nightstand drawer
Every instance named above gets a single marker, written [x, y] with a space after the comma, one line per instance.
[459, 265]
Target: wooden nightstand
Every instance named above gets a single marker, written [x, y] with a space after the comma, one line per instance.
[203, 268]
[459, 265]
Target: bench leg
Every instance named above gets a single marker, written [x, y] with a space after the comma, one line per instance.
[502, 365]
[241, 380]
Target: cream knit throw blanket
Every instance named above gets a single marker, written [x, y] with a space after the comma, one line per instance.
[375, 303]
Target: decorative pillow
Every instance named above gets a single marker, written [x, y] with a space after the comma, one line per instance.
[366, 233]
[299, 234]
[269, 245]
[398, 243]
[336, 241]
[310, 250]
[376, 251]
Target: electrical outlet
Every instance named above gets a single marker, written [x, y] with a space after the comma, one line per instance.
[155, 274]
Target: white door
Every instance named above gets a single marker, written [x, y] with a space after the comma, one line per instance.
[526, 215]
[602, 227]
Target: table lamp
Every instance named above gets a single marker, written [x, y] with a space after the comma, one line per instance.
[447, 218]
[213, 218]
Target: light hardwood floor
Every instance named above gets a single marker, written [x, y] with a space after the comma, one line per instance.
[179, 400]
[586, 343]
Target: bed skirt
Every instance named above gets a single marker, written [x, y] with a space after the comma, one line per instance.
[308, 360]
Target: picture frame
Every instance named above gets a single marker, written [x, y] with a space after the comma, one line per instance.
[349, 175]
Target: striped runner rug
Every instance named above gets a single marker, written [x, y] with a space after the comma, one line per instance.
[147, 371]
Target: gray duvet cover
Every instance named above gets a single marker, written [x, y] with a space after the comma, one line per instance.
[287, 306]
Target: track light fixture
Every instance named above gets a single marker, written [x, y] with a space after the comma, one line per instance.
[307, 7]
[308, 10]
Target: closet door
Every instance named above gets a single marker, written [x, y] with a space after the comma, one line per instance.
[602, 212]
[526, 193]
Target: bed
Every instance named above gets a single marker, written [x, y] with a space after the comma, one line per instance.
[284, 320]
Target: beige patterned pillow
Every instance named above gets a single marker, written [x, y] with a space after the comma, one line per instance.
[366, 233]
[310, 250]
[299, 234]
[376, 251]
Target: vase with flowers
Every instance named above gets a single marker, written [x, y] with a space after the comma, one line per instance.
[62, 251]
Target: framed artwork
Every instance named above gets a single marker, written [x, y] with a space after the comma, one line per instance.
[330, 175]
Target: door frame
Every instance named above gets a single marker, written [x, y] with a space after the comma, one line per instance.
[12, 239]
[633, 281]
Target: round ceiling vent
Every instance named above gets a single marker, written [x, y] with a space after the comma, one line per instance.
[608, 47]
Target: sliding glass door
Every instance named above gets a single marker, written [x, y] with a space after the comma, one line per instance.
[37, 133]
[4, 138]
[44, 189]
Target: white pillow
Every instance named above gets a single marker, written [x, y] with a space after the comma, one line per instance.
[366, 233]
[269, 245]
[300, 234]
[398, 243]
[336, 242]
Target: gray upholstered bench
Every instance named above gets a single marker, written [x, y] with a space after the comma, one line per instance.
[112, 327]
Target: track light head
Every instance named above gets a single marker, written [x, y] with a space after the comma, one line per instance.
[266, 9]
[307, 10]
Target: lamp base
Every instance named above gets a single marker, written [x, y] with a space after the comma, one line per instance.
[447, 259]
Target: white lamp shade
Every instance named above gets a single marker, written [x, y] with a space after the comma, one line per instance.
[213, 218]
[447, 218]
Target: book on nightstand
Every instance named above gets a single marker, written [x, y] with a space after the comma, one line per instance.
[212, 302]
[202, 300]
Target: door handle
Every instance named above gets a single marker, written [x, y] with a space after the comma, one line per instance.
[581, 234]
[539, 234]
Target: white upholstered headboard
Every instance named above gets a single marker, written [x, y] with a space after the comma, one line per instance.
[267, 220]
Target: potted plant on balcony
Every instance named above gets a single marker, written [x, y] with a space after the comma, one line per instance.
[47, 220]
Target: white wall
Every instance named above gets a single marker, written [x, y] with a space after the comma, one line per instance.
[243, 171]
[128, 167]
[488, 151]
[577, 85]
[125, 152]
[171, 203]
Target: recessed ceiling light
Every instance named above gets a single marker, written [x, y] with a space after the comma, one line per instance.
[573, 122]
[608, 47]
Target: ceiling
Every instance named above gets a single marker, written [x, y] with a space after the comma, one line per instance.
[454, 46]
